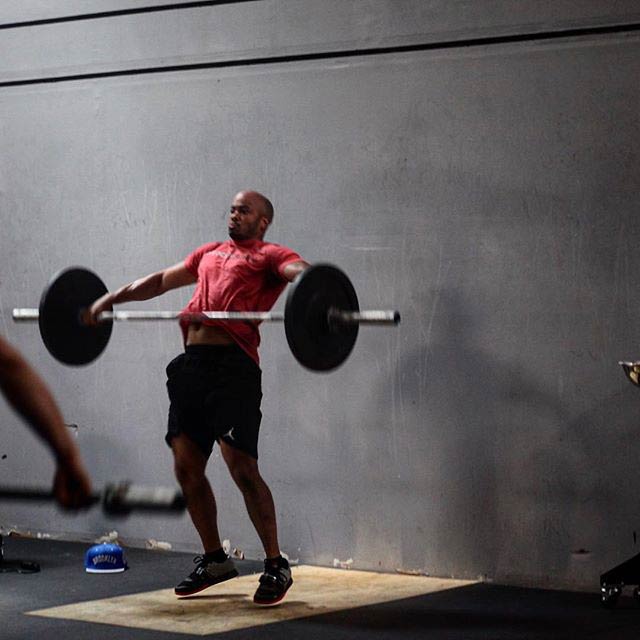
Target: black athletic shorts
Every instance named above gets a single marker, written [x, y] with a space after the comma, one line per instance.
[215, 393]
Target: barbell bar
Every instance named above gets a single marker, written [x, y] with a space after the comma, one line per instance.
[373, 317]
[321, 317]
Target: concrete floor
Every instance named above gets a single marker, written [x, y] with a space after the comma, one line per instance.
[466, 612]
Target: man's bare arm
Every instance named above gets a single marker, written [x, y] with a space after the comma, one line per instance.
[151, 286]
[294, 269]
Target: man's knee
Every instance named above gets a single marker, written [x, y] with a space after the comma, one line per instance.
[245, 474]
[187, 476]
[242, 467]
[189, 463]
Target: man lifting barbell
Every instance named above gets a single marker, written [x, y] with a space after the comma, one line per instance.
[215, 386]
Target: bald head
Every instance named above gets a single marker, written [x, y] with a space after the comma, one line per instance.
[261, 202]
[251, 214]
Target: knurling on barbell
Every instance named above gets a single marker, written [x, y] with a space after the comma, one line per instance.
[321, 317]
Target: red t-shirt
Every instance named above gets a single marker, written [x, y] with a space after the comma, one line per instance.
[237, 276]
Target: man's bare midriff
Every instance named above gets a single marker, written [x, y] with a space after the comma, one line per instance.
[206, 334]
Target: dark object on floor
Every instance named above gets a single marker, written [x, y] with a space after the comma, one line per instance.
[16, 566]
[613, 581]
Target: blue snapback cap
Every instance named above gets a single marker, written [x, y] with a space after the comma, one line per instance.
[105, 558]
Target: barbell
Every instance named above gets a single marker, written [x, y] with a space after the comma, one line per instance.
[321, 317]
[117, 498]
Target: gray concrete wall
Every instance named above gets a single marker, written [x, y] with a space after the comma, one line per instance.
[247, 30]
[487, 192]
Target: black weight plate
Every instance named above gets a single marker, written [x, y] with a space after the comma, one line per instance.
[314, 343]
[67, 339]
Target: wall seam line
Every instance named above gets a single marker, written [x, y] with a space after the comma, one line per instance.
[176, 6]
[335, 55]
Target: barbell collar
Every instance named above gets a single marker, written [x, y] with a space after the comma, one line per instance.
[25, 315]
[123, 497]
[371, 317]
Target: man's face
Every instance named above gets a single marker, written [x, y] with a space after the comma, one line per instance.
[246, 219]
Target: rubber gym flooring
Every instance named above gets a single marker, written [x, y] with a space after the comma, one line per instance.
[64, 602]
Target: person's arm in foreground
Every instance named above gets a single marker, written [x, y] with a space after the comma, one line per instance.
[28, 394]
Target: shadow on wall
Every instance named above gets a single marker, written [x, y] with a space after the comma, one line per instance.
[598, 472]
[109, 460]
[474, 422]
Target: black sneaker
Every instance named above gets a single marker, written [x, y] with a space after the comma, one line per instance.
[274, 583]
[206, 574]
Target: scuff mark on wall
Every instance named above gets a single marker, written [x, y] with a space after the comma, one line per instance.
[412, 572]
[343, 564]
